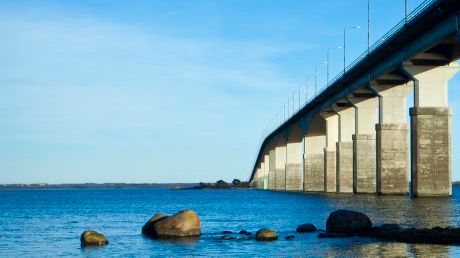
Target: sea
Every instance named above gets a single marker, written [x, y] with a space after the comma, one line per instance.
[48, 223]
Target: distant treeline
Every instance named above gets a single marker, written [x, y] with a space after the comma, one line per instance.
[221, 184]
[94, 185]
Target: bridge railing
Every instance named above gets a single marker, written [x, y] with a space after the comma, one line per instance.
[272, 126]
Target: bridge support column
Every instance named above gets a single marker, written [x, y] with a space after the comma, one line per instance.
[344, 149]
[332, 137]
[271, 169]
[294, 167]
[260, 177]
[314, 143]
[431, 131]
[364, 152]
[266, 168]
[280, 167]
[392, 139]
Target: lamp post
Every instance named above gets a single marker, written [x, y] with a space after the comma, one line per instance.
[327, 67]
[405, 9]
[368, 26]
[316, 75]
[344, 44]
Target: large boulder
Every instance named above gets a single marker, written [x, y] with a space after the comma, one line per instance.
[182, 224]
[92, 238]
[266, 235]
[347, 221]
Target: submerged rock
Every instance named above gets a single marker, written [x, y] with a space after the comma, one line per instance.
[289, 237]
[244, 232]
[347, 221]
[266, 235]
[93, 238]
[227, 237]
[334, 235]
[227, 232]
[306, 228]
[436, 235]
[390, 227]
[182, 224]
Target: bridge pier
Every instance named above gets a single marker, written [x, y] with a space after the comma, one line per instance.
[332, 137]
[392, 139]
[364, 145]
[344, 151]
[294, 161]
[314, 143]
[260, 179]
[272, 170]
[280, 166]
[294, 164]
[431, 130]
[265, 167]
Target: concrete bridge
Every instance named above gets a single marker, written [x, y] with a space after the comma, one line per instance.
[353, 136]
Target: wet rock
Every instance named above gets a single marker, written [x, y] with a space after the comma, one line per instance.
[244, 232]
[334, 235]
[227, 232]
[390, 227]
[266, 235]
[227, 237]
[347, 221]
[306, 228]
[182, 224]
[289, 237]
[92, 238]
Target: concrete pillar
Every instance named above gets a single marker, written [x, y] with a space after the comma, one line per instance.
[271, 170]
[392, 139]
[344, 151]
[364, 144]
[431, 131]
[258, 178]
[314, 143]
[266, 168]
[332, 137]
[280, 167]
[294, 161]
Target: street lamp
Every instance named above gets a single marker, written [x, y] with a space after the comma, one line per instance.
[405, 9]
[344, 44]
[368, 26]
[316, 75]
[307, 84]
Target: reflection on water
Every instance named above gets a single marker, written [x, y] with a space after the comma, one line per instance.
[49, 223]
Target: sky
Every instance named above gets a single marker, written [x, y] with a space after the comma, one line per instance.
[164, 91]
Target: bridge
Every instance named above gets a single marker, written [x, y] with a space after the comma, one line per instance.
[353, 136]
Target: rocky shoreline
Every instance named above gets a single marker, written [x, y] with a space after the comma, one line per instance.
[340, 223]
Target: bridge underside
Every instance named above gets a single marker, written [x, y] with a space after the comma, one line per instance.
[354, 137]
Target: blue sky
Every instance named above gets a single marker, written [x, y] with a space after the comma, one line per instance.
[162, 91]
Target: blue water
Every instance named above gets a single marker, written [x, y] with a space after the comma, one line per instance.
[48, 223]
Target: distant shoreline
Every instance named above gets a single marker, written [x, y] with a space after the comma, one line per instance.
[184, 186]
[96, 186]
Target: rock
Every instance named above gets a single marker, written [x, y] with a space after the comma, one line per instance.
[306, 228]
[390, 227]
[334, 235]
[289, 237]
[227, 232]
[227, 238]
[182, 224]
[266, 235]
[92, 238]
[244, 232]
[347, 221]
